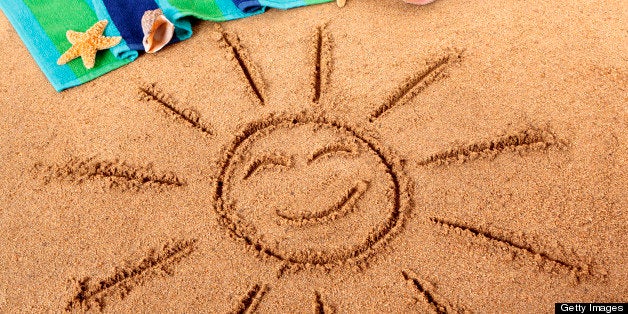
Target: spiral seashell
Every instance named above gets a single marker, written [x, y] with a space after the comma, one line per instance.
[158, 30]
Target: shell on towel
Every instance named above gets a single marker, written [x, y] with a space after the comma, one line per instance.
[158, 30]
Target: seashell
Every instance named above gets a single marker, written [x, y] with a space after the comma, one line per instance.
[158, 30]
[341, 3]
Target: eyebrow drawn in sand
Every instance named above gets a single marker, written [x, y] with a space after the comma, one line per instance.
[436, 302]
[332, 149]
[340, 209]
[251, 300]
[230, 42]
[120, 172]
[149, 93]
[127, 278]
[267, 161]
[525, 249]
[416, 83]
[532, 138]
[322, 60]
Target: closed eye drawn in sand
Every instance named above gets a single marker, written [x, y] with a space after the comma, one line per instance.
[332, 149]
[251, 300]
[417, 83]
[97, 294]
[341, 208]
[266, 162]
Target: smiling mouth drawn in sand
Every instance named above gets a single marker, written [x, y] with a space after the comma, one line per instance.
[346, 204]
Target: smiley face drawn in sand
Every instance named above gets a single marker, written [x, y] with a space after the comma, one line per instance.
[306, 190]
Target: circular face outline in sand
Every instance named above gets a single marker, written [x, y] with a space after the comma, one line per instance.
[377, 237]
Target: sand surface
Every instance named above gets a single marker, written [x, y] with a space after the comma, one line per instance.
[382, 157]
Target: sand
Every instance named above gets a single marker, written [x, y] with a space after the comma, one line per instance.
[382, 157]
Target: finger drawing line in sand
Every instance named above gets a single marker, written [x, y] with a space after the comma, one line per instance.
[343, 207]
[148, 92]
[417, 83]
[322, 62]
[526, 250]
[231, 43]
[434, 301]
[120, 174]
[251, 300]
[530, 139]
[392, 194]
[97, 294]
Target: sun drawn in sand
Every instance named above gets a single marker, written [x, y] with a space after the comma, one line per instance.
[356, 199]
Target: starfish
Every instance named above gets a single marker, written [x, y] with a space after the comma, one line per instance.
[87, 44]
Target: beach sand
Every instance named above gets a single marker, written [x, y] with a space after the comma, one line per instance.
[381, 157]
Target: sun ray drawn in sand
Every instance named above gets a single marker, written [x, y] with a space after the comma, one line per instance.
[368, 184]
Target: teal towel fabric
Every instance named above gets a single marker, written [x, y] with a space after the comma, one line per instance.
[289, 4]
[42, 26]
[224, 10]
[209, 10]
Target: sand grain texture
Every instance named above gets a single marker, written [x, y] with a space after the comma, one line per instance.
[460, 156]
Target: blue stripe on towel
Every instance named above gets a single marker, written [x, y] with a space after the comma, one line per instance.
[247, 6]
[39, 44]
[127, 17]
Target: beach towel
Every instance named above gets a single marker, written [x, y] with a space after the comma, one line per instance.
[289, 4]
[42, 26]
[224, 10]
[126, 15]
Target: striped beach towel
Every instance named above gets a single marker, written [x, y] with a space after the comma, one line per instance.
[42, 26]
[224, 10]
[253, 5]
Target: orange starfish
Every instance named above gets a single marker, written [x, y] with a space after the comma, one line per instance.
[87, 44]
